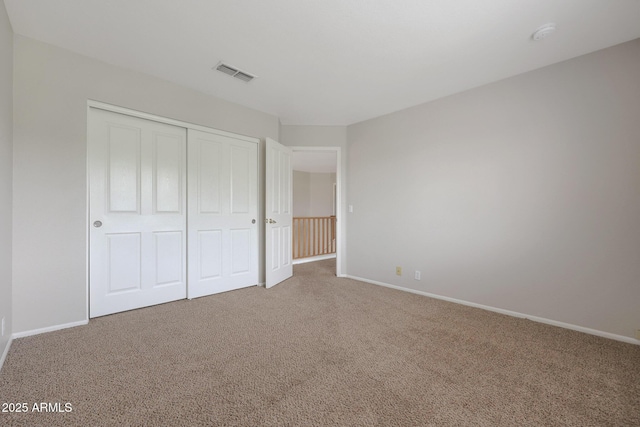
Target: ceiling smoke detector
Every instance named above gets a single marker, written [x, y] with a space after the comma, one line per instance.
[235, 72]
[543, 32]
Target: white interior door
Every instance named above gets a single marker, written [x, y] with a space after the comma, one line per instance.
[278, 213]
[223, 213]
[137, 208]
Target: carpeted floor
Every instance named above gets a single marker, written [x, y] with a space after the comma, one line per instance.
[320, 351]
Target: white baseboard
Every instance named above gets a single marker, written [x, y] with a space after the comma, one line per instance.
[48, 329]
[507, 312]
[5, 352]
[313, 258]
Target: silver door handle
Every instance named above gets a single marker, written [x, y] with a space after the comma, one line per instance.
[97, 224]
[269, 221]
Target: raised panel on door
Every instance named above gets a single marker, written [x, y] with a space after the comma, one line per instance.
[208, 255]
[286, 195]
[241, 251]
[286, 255]
[276, 248]
[169, 257]
[137, 207]
[207, 158]
[123, 167]
[123, 262]
[222, 216]
[273, 180]
[168, 173]
[242, 175]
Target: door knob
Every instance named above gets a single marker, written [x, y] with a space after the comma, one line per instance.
[97, 224]
[269, 221]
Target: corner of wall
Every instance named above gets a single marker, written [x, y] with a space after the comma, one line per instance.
[6, 181]
[279, 130]
[501, 207]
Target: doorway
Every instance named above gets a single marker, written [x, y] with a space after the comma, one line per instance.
[318, 206]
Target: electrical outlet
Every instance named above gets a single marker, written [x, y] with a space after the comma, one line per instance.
[638, 334]
[398, 271]
[417, 276]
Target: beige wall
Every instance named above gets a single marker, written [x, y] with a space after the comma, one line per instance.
[51, 90]
[6, 172]
[521, 195]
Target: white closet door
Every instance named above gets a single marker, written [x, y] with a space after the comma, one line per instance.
[137, 208]
[222, 213]
[279, 213]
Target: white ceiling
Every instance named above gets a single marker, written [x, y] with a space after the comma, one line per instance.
[328, 62]
[314, 161]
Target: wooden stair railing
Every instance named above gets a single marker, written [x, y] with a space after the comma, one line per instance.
[313, 236]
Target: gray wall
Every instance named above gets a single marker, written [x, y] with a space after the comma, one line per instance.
[51, 89]
[521, 195]
[6, 171]
[313, 193]
[325, 136]
[301, 193]
[321, 191]
[314, 136]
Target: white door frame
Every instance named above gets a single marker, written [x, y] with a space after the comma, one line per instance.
[134, 113]
[339, 217]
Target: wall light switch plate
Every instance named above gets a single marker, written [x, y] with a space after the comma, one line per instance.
[399, 271]
[418, 274]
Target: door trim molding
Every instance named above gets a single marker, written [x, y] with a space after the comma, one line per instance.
[339, 217]
[142, 115]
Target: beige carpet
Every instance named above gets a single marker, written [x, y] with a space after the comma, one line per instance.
[320, 351]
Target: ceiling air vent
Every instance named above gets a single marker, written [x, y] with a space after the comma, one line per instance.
[243, 76]
[226, 69]
[234, 72]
